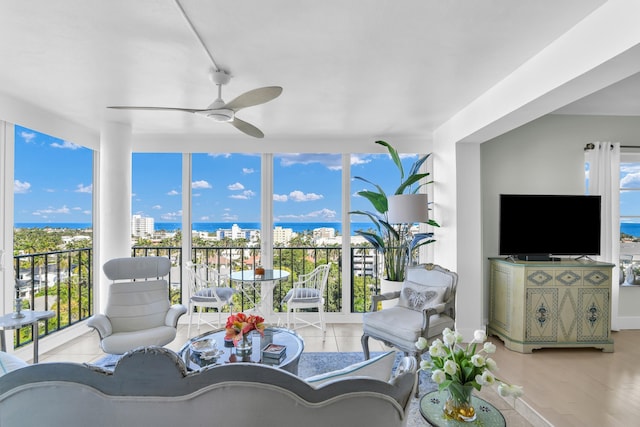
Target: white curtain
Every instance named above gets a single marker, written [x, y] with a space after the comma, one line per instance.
[604, 180]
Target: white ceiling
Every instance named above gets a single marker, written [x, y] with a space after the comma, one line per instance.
[352, 69]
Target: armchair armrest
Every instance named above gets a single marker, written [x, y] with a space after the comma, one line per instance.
[102, 324]
[174, 313]
[375, 299]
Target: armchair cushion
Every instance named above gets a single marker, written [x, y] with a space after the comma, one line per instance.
[124, 341]
[416, 296]
[309, 295]
[379, 368]
[407, 325]
[9, 362]
[205, 295]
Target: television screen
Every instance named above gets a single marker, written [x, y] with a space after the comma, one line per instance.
[543, 225]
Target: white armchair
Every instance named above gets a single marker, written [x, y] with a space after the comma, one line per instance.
[426, 306]
[138, 312]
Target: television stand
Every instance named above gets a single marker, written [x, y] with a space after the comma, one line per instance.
[542, 304]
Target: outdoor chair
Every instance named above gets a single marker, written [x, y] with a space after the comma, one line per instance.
[308, 293]
[207, 290]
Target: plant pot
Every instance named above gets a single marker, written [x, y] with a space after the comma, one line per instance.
[459, 406]
[389, 286]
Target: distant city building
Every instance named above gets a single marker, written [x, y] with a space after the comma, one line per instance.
[324, 233]
[282, 235]
[364, 262]
[141, 226]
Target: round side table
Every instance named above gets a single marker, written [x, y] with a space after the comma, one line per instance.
[431, 409]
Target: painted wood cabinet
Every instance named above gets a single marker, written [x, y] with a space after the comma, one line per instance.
[537, 304]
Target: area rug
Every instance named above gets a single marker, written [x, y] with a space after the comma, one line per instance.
[319, 363]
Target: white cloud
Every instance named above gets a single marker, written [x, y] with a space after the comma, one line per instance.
[200, 184]
[358, 159]
[156, 207]
[27, 136]
[171, 216]
[20, 187]
[172, 193]
[247, 171]
[84, 188]
[236, 186]
[86, 212]
[204, 218]
[229, 217]
[299, 196]
[630, 180]
[322, 214]
[330, 161]
[50, 210]
[246, 194]
[225, 155]
[66, 145]
[280, 197]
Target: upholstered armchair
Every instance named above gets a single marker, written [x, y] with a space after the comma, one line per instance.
[138, 312]
[425, 307]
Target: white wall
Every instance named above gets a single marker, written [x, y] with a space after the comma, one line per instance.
[547, 156]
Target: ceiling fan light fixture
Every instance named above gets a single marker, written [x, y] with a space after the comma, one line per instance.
[221, 115]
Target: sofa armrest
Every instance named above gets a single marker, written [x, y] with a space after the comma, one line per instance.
[102, 324]
[174, 313]
[387, 296]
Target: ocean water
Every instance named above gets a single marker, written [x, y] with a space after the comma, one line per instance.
[630, 228]
[297, 227]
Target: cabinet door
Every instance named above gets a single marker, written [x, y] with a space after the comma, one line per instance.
[593, 315]
[542, 315]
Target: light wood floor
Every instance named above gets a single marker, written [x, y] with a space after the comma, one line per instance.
[563, 387]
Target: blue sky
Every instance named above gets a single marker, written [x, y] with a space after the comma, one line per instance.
[53, 184]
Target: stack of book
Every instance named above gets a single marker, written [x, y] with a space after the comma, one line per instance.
[274, 354]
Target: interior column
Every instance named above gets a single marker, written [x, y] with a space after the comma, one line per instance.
[114, 198]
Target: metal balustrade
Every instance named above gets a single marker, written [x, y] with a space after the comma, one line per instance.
[63, 281]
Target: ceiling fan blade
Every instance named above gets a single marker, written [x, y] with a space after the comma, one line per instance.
[254, 97]
[186, 110]
[247, 128]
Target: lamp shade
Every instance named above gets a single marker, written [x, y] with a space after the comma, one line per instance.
[407, 208]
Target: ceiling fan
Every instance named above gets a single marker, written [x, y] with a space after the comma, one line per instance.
[223, 112]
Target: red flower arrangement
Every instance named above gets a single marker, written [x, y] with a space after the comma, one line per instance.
[239, 324]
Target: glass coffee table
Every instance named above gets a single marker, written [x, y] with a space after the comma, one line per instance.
[226, 353]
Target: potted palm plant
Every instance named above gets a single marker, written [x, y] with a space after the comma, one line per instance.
[392, 216]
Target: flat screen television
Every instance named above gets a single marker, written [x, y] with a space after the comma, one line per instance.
[536, 226]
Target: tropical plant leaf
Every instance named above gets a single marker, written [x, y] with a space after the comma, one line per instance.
[394, 156]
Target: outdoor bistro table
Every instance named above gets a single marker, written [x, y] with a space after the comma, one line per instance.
[8, 321]
[249, 283]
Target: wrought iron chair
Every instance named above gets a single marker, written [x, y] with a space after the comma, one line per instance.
[308, 293]
[207, 290]
[426, 306]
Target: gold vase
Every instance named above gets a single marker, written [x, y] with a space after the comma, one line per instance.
[458, 405]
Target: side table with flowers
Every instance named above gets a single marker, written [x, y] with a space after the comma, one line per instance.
[459, 370]
[238, 329]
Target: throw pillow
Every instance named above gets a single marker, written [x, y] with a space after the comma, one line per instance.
[418, 297]
[379, 368]
[9, 362]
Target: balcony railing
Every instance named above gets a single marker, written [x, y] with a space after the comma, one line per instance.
[62, 281]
